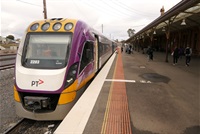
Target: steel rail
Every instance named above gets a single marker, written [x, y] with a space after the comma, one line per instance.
[7, 54]
[7, 66]
[11, 129]
[10, 58]
[30, 126]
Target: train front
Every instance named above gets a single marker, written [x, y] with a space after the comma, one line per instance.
[41, 65]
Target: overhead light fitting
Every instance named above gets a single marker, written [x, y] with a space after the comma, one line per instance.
[154, 32]
[183, 22]
[163, 29]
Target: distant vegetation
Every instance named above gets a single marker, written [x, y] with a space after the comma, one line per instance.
[8, 45]
[10, 37]
[7, 48]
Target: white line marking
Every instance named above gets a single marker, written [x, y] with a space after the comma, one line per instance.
[77, 118]
[149, 82]
[120, 80]
[142, 67]
[144, 81]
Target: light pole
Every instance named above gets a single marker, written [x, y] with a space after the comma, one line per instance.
[102, 28]
[45, 9]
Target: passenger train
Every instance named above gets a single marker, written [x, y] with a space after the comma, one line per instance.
[55, 60]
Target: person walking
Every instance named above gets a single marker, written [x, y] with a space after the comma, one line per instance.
[122, 48]
[130, 49]
[150, 53]
[181, 53]
[175, 55]
[188, 53]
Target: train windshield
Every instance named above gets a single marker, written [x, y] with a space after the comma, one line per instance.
[46, 50]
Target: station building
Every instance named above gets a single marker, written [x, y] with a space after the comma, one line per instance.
[179, 26]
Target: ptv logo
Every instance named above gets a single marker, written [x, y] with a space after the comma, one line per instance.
[36, 83]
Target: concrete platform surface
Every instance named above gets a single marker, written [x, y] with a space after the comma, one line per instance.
[144, 97]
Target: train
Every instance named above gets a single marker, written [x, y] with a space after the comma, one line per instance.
[56, 59]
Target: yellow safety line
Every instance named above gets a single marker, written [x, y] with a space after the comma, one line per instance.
[103, 129]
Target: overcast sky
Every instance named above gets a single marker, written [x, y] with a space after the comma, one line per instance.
[117, 16]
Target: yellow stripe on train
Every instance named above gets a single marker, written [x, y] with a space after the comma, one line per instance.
[69, 94]
[16, 95]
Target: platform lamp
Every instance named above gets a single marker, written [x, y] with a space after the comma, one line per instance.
[183, 22]
[163, 29]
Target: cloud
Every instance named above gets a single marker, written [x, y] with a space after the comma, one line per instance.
[117, 16]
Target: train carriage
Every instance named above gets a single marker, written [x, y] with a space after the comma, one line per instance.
[55, 60]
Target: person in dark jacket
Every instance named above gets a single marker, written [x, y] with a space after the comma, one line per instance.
[150, 53]
[175, 55]
[188, 53]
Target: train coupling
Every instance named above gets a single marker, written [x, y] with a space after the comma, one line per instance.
[33, 103]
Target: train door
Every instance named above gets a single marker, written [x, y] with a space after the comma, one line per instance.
[96, 59]
[113, 47]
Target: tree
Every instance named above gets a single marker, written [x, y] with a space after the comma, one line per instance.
[10, 37]
[131, 32]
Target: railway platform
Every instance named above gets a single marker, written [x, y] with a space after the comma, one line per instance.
[133, 95]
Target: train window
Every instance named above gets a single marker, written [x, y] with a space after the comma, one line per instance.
[87, 55]
[100, 49]
[103, 48]
[46, 50]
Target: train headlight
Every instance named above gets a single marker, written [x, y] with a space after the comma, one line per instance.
[68, 26]
[71, 76]
[34, 26]
[57, 26]
[45, 103]
[45, 26]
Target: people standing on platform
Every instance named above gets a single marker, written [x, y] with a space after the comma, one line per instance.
[188, 53]
[150, 53]
[122, 48]
[116, 51]
[127, 49]
[130, 49]
[181, 53]
[175, 55]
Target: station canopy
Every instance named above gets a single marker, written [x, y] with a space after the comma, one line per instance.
[183, 15]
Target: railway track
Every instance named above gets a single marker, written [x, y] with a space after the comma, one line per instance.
[7, 61]
[26, 126]
[4, 57]
[8, 66]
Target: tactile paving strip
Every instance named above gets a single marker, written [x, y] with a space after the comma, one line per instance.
[117, 118]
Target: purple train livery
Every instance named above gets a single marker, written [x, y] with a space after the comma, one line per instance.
[55, 61]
